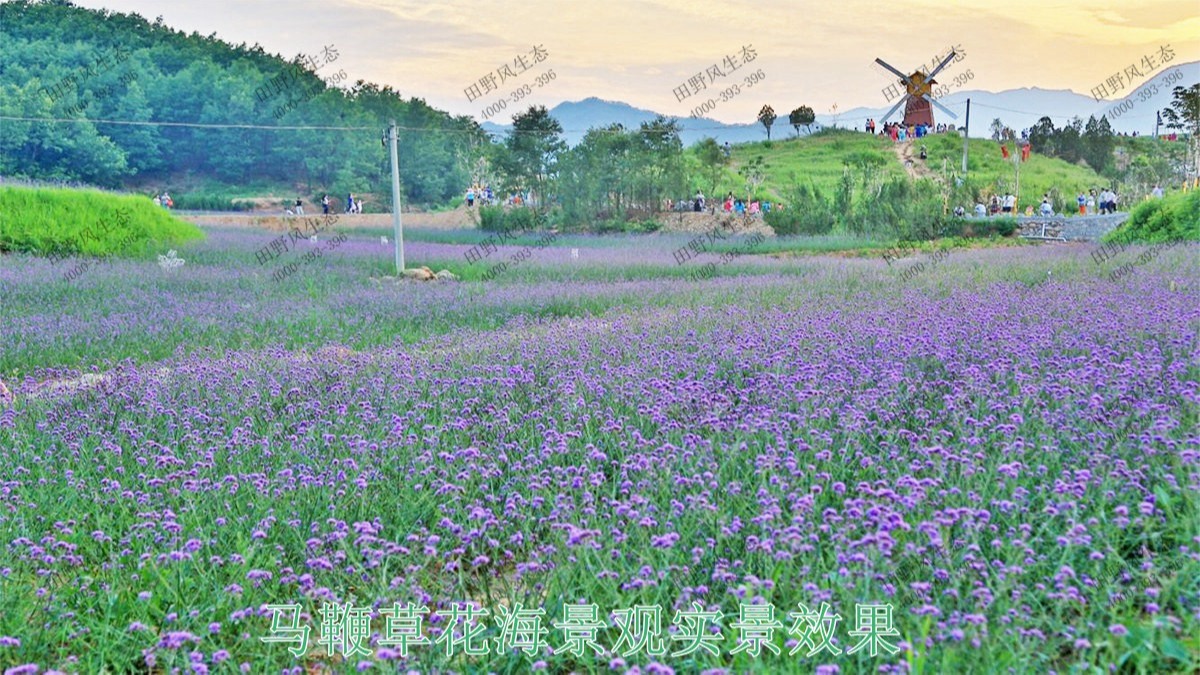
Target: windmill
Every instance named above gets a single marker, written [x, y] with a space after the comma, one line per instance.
[917, 110]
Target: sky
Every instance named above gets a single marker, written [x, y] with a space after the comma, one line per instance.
[644, 52]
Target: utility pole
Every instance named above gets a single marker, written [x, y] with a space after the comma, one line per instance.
[1157, 121]
[397, 227]
[966, 132]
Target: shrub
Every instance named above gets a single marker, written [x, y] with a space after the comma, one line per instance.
[521, 219]
[65, 222]
[491, 218]
[807, 212]
[211, 202]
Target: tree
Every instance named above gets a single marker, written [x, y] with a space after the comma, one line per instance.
[1184, 114]
[1042, 136]
[754, 173]
[802, 116]
[997, 129]
[1098, 143]
[767, 117]
[1070, 141]
[1184, 111]
[712, 161]
[534, 145]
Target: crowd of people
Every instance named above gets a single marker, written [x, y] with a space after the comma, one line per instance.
[484, 196]
[1089, 203]
[731, 205]
[164, 200]
[901, 132]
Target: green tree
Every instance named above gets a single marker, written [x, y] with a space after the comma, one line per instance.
[754, 173]
[534, 145]
[1042, 136]
[1098, 144]
[712, 162]
[997, 129]
[1184, 111]
[802, 116]
[767, 117]
[1184, 114]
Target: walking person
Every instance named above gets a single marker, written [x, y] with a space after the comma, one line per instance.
[350, 203]
[325, 204]
[299, 207]
[1081, 201]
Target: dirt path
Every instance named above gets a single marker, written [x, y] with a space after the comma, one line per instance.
[912, 162]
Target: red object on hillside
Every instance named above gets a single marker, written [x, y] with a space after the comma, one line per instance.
[1004, 150]
[1025, 150]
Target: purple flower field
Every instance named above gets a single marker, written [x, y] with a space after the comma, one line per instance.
[1006, 459]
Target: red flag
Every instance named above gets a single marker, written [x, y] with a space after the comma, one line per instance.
[1004, 150]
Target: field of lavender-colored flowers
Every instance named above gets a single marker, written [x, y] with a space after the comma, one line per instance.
[1004, 447]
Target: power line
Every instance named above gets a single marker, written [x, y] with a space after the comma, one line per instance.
[185, 124]
[68, 120]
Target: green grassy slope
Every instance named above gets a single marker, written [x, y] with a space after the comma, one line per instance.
[821, 159]
[87, 222]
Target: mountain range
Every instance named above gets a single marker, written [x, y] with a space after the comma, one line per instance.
[1015, 108]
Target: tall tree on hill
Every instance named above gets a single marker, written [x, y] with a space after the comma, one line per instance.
[1070, 141]
[1184, 114]
[802, 116]
[1184, 111]
[1098, 143]
[534, 146]
[1042, 136]
[712, 162]
[767, 117]
[997, 129]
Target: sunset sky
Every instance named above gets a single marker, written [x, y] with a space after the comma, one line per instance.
[641, 51]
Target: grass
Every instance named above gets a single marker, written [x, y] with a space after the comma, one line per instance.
[821, 159]
[1175, 217]
[86, 222]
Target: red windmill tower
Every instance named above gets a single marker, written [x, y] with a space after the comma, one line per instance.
[916, 98]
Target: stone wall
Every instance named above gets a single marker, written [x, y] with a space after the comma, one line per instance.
[1071, 228]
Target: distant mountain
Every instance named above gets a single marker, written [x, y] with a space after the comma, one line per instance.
[1016, 108]
[576, 117]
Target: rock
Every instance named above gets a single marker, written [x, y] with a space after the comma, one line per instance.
[446, 275]
[419, 274]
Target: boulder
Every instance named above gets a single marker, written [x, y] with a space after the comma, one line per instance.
[419, 274]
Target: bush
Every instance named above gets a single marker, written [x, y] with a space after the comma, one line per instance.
[210, 202]
[521, 219]
[644, 226]
[968, 228]
[1172, 218]
[88, 222]
[491, 218]
[807, 212]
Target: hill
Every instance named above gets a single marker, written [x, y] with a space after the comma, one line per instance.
[821, 159]
[78, 65]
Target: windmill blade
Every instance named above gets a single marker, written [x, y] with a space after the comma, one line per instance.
[941, 65]
[897, 73]
[894, 109]
[941, 107]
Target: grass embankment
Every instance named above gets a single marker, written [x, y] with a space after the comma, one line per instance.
[1176, 217]
[46, 221]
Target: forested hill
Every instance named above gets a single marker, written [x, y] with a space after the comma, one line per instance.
[82, 65]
